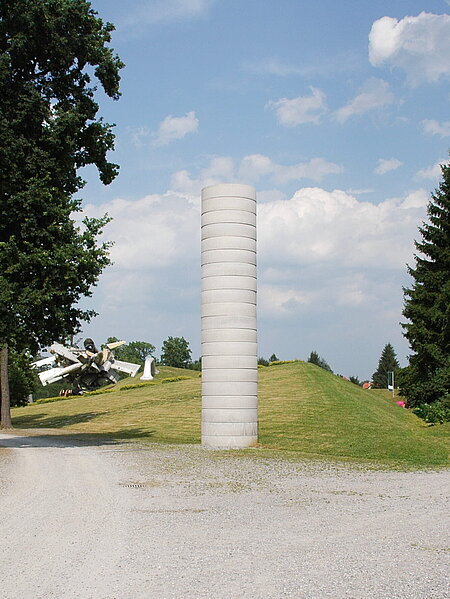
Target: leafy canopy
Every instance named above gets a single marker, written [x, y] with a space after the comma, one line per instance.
[134, 351]
[50, 50]
[175, 352]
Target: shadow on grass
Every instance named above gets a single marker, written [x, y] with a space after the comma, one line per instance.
[19, 438]
[42, 420]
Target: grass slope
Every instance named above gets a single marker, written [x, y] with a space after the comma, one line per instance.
[303, 410]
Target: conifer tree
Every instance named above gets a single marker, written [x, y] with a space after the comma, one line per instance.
[387, 363]
[427, 306]
[314, 358]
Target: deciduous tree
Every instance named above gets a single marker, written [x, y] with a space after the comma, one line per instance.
[175, 352]
[49, 52]
[134, 351]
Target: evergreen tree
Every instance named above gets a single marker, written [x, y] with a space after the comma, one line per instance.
[314, 358]
[387, 363]
[427, 306]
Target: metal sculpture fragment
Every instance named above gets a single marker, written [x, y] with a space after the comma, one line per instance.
[86, 369]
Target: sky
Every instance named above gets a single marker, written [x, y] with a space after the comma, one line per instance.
[336, 112]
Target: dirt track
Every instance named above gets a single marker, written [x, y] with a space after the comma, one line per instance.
[87, 521]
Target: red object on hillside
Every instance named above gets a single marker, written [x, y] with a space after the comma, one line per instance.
[367, 385]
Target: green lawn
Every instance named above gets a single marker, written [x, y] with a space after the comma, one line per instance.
[303, 411]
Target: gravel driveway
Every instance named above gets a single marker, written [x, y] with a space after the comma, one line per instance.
[123, 521]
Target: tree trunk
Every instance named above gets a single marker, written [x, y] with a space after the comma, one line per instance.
[5, 411]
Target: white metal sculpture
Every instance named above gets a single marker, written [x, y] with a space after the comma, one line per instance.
[229, 332]
[86, 368]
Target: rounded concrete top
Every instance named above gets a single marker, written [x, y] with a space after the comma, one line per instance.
[240, 190]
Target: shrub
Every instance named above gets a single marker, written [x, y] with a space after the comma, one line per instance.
[173, 379]
[437, 412]
[278, 362]
[51, 399]
[136, 386]
[99, 391]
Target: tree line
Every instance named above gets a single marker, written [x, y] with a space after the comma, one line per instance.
[54, 54]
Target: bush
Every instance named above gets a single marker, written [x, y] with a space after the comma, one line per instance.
[174, 379]
[52, 399]
[436, 413]
[135, 386]
[97, 392]
[22, 379]
[278, 362]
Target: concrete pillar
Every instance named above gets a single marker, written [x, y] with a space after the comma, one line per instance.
[228, 298]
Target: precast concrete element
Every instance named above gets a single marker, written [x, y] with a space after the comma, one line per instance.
[229, 334]
[149, 369]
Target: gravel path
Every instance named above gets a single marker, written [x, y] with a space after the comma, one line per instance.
[121, 521]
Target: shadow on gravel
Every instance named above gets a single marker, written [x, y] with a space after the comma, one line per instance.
[17, 438]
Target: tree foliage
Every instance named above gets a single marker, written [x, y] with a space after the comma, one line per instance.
[49, 50]
[387, 363]
[48, 130]
[22, 378]
[134, 351]
[175, 352]
[314, 358]
[426, 379]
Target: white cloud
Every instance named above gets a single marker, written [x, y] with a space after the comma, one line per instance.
[300, 110]
[317, 226]
[271, 66]
[416, 199]
[172, 128]
[282, 299]
[433, 172]
[153, 12]
[358, 192]
[418, 45]
[385, 166]
[374, 94]
[139, 135]
[252, 168]
[255, 166]
[436, 128]
[151, 233]
[221, 169]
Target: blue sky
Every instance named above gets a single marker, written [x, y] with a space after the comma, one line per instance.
[337, 113]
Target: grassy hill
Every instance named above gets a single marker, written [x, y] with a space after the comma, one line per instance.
[303, 411]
